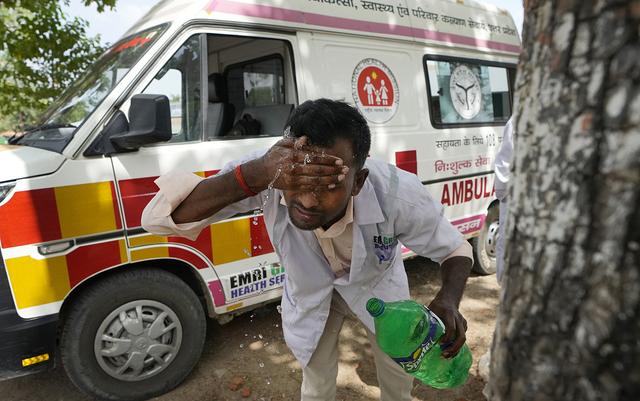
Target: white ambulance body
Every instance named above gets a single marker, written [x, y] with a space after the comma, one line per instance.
[434, 79]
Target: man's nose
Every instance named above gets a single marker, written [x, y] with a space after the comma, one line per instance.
[309, 200]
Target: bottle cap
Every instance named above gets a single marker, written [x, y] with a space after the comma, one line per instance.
[375, 307]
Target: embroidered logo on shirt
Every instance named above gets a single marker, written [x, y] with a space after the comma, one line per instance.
[384, 247]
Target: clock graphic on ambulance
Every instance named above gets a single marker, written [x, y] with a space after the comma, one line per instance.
[466, 95]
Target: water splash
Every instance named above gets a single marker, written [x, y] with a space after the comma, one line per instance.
[270, 186]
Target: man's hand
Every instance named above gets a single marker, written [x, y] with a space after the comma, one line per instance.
[294, 165]
[455, 326]
[454, 272]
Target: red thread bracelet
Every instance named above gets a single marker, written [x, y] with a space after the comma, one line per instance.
[242, 182]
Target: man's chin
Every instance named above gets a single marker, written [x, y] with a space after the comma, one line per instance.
[304, 225]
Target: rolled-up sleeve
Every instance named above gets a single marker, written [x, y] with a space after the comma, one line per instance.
[175, 187]
[422, 227]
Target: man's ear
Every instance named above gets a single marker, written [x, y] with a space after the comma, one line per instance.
[358, 182]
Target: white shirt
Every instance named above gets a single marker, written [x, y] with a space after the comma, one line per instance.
[392, 207]
[503, 161]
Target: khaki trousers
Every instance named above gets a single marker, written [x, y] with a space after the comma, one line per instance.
[319, 377]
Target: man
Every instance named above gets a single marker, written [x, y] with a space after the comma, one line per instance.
[336, 223]
[502, 171]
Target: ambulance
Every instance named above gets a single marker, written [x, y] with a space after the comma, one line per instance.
[125, 311]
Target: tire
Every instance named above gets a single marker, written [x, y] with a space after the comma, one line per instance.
[485, 245]
[147, 357]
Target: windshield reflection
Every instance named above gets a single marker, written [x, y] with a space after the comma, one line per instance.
[75, 105]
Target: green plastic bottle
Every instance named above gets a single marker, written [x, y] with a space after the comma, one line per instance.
[409, 333]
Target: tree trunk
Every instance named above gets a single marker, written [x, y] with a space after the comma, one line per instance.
[568, 326]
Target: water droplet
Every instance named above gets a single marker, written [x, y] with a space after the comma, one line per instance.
[307, 159]
[270, 186]
[261, 365]
[260, 336]
[241, 345]
[246, 252]
[279, 309]
[277, 325]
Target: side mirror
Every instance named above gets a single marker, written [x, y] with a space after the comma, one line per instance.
[149, 122]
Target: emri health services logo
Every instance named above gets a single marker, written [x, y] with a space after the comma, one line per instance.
[375, 90]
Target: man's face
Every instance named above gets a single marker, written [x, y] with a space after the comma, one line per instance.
[310, 210]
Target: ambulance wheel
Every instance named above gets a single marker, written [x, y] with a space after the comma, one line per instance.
[133, 336]
[485, 245]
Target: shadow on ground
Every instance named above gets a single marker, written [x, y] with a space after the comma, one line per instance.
[252, 347]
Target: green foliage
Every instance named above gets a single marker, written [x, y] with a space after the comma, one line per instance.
[42, 50]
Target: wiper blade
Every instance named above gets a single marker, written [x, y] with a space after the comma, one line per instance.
[15, 139]
[49, 126]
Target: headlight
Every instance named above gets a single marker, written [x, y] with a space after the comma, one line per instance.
[6, 189]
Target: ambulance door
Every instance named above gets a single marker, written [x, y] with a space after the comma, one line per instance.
[212, 78]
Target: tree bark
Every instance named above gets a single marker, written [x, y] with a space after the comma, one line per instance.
[568, 325]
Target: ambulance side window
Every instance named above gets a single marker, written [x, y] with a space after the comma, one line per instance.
[256, 83]
[468, 92]
[180, 80]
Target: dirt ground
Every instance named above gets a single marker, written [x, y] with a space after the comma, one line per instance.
[252, 347]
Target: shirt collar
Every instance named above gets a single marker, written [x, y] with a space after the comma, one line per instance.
[339, 226]
[366, 206]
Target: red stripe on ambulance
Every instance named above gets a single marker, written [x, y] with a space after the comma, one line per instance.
[136, 194]
[91, 259]
[30, 217]
[260, 243]
[407, 160]
[202, 244]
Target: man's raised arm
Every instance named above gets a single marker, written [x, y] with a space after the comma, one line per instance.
[187, 203]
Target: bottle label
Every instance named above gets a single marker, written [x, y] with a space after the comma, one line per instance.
[412, 363]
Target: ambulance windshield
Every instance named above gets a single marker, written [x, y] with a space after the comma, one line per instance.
[69, 111]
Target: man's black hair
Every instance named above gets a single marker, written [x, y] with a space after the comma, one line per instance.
[324, 120]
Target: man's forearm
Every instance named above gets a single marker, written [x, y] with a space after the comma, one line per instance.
[455, 272]
[218, 192]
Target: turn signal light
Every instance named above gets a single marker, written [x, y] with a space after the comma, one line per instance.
[35, 359]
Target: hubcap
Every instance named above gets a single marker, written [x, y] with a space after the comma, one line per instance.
[491, 241]
[138, 340]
